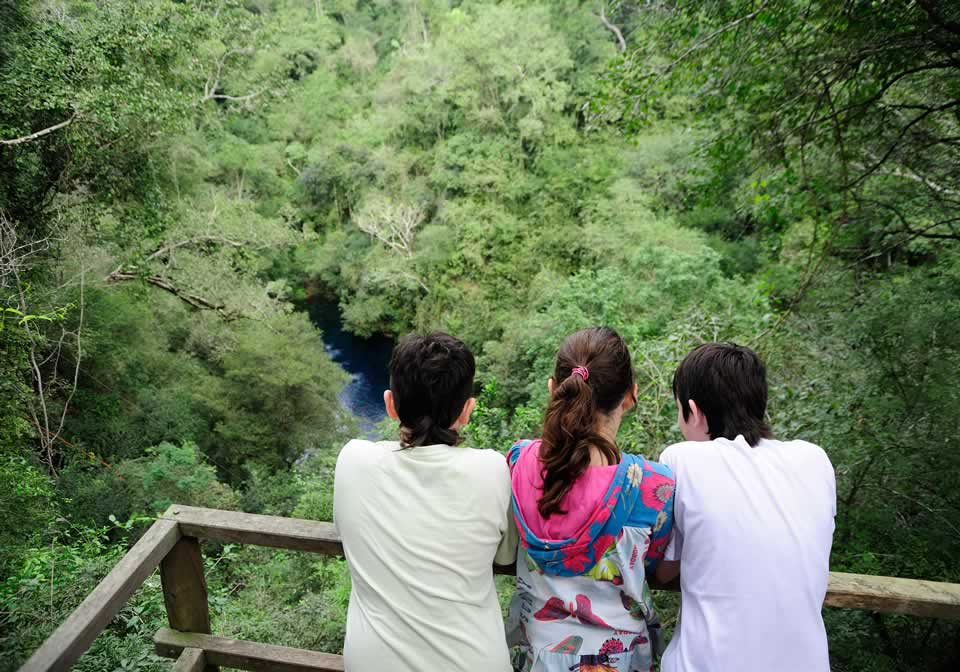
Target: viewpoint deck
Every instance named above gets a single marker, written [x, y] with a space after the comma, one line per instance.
[173, 544]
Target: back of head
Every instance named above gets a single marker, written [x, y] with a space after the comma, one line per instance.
[431, 378]
[592, 376]
[729, 384]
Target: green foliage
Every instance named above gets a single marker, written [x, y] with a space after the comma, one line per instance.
[170, 474]
[27, 508]
[783, 174]
[14, 391]
[54, 579]
[277, 397]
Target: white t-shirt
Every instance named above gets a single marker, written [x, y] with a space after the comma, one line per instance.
[752, 530]
[421, 529]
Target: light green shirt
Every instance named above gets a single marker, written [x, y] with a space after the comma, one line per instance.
[421, 529]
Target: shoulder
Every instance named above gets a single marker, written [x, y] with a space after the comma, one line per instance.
[810, 453]
[658, 468]
[359, 451]
[649, 467]
[486, 469]
[656, 484]
[484, 458]
[517, 449]
[678, 454]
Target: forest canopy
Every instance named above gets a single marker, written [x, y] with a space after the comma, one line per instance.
[180, 181]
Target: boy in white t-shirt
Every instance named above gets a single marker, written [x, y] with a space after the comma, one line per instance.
[753, 526]
[422, 523]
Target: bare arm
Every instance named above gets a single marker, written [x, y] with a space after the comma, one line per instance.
[667, 571]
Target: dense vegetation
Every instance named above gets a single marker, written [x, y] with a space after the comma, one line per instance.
[178, 179]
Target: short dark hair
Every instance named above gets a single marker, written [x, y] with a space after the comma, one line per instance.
[729, 384]
[431, 378]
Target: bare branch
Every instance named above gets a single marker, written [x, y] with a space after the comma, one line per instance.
[213, 79]
[53, 436]
[14, 254]
[39, 134]
[392, 224]
[194, 300]
[167, 249]
[916, 177]
[613, 29]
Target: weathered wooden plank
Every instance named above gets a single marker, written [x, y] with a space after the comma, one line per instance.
[879, 593]
[244, 655]
[191, 660]
[249, 528]
[185, 589]
[894, 595]
[71, 639]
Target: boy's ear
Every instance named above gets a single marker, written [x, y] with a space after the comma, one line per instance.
[464, 416]
[389, 405]
[697, 418]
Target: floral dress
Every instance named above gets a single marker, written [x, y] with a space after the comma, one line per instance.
[582, 603]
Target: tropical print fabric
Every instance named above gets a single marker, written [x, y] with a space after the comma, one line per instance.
[583, 603]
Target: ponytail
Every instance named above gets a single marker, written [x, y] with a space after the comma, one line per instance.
[592, 376]
[426, 432]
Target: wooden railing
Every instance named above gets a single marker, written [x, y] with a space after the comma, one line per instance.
[173, 543]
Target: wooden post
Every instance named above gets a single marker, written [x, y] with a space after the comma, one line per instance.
[185, 589]
[191, 660]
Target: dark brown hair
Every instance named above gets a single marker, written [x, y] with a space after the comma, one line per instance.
[431, 378]
[729, 384]
[569, 427]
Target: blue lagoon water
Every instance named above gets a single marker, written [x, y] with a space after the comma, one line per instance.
[364, 359]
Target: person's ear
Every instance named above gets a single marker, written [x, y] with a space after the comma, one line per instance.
[464, 416]
[630, 400]
[389, 405]
[551, 385]
[698, 419]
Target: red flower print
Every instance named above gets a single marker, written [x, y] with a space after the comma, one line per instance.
[610, 646]
[656, 490]
[657, 547]
[602, 516]
[553, 610]
[576, 562]
[637, 641]
[600, 546]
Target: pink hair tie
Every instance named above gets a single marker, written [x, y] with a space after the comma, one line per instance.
[581, 371]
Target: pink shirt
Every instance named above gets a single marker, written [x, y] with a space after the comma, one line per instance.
[580, 502]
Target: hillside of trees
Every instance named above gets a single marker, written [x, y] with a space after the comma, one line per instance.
[178, 180]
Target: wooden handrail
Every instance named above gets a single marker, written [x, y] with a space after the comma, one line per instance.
[236, 527]
[858, 591]
[74, 636]
[172, 540]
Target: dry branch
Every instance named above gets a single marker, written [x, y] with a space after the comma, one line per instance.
[392, 224]
[194, 300]
[213, 79]
[613, 29]
[39, 134]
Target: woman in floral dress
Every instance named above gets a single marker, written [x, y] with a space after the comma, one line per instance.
[593, 522]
